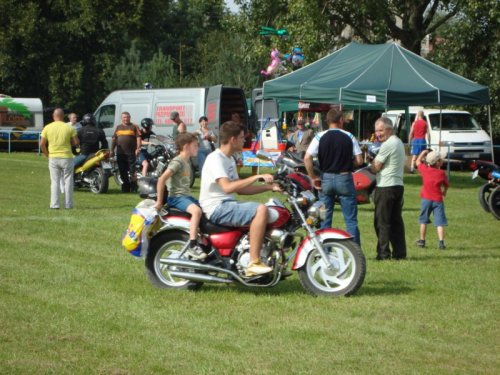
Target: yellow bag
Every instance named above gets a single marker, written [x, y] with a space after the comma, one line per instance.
[141, 228]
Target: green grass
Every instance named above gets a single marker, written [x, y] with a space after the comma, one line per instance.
[73, 301]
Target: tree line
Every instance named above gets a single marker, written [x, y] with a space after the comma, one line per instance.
[72, 53]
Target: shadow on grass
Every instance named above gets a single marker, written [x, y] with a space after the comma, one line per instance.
[294, 287]
[455, 256]
[392, 287]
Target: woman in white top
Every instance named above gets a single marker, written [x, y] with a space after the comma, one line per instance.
[206, 139]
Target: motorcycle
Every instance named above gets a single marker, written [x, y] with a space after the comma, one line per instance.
[161, 151]
[364, 180]
[328, 261]
[489, 193]
[94, 173]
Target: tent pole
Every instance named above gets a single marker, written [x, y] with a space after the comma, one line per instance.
[491, 135]
[359, 123]
[259, 139]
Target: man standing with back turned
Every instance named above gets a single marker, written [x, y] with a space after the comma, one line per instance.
[57, 139]
[338, 154]
[388, 195]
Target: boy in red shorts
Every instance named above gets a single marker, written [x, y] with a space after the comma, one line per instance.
[435, 186]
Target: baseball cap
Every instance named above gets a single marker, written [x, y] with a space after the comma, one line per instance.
[433, 157]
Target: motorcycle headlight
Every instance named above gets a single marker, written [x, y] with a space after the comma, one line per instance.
[317, 211]
[306, 197]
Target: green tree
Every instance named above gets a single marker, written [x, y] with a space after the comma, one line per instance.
[470, 46]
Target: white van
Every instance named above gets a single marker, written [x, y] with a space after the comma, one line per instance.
[459, 130]
[216, 102]
[21, 122]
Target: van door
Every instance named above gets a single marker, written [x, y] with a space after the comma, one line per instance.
[212, 109]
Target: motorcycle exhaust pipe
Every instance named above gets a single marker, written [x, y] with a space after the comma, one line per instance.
[199, 277]
[205, 267]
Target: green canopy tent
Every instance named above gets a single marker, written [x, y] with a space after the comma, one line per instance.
[376, 76]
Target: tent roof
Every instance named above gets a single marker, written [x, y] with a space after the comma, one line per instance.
[378, 76]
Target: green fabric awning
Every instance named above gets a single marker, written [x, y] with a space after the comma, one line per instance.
[376, 76]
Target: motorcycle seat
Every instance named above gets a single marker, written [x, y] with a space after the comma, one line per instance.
[206, 226]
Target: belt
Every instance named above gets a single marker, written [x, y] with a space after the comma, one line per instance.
[340, 173]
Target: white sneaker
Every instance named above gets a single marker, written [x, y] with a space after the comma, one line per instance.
[196, 253]
[257, 268]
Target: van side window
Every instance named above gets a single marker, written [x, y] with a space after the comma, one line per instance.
[105, 117]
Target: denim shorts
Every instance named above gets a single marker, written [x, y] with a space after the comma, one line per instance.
[143, 155]
[436, 208]
[182, 202]
[234, 213]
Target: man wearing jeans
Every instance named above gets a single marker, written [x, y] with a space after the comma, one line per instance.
[219, 182]
[338, 154]
[388, 195]
[57, 139]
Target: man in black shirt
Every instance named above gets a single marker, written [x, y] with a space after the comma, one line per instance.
[90, 137]
[338, 154]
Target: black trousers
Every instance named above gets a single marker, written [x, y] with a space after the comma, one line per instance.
[388, 222]
[126, 165]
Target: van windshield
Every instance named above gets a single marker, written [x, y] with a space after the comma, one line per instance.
[454, 121]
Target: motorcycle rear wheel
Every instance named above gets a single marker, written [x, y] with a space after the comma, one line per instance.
[484, 194]
[99, 181]
[494, 202]
[344, 279]
[167, 245]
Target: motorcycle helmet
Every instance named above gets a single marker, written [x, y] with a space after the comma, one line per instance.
[147, 188]
[88, 119]
[147, 123]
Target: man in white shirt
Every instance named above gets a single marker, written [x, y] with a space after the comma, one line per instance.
[219, 182]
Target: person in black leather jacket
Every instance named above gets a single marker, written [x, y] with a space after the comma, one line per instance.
[91, 139]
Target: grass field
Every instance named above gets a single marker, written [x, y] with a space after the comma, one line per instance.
[73, 301]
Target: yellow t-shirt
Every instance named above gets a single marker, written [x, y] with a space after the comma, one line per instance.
[58, 135]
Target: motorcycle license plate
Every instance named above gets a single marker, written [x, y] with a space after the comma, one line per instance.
[106, 165]
[475, 173]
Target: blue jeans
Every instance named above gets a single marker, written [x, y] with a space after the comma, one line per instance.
[202, 155]
[341, 187]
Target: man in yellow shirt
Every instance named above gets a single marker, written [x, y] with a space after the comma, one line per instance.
[57, 139]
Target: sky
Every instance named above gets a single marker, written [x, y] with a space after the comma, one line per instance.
[231, 5]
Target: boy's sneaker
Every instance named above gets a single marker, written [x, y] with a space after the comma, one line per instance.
[196, 253]
[421, 243]
[257, 268]
[441, 245]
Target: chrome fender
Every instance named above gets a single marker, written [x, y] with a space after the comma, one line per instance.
[173, 222]
[307, 245]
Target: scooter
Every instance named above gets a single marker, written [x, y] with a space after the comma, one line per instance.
[94, 173]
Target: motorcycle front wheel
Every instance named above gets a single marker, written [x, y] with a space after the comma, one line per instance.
[343, 278]
[99, 181]
[484, 194]
[167, 245]
[494, 202]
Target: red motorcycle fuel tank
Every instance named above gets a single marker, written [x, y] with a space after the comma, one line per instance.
[225, 241]
[278, 216]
